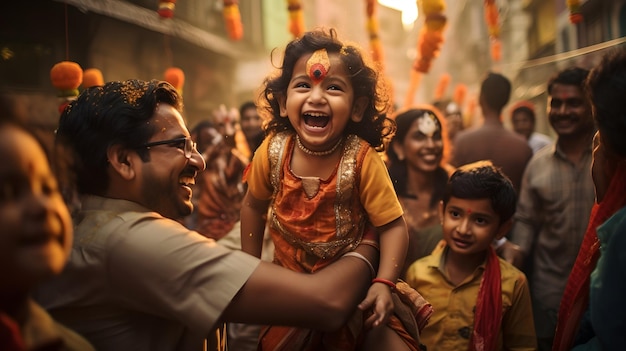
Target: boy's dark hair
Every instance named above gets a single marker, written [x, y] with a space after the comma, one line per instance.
[495, 91]
[101, 116]
[606, 88]
[366, 82]
[482, 180]
[569, 76]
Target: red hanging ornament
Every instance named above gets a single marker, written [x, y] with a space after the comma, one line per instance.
[574, 11]
[66, 76]
[166, 8]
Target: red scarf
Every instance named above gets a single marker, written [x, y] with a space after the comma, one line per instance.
[488, 313]
[576, 295]
[10, 336]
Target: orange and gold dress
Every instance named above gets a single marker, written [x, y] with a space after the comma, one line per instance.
[314, 221]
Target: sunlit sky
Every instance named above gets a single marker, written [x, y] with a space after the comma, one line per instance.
[408, 8]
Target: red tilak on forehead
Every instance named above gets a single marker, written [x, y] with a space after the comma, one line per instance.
[317, 65]
[469, 211]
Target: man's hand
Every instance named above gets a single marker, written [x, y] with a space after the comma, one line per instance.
[511, 253]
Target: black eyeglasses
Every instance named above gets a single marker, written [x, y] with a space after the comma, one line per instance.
[188, 145]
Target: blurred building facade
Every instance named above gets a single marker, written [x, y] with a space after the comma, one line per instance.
[127, 39]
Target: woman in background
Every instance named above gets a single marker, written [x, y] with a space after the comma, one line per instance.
[419, 169]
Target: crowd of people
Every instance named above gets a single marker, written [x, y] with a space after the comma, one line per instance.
[317, 218]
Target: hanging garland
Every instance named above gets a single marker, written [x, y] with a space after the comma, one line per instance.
[431, 36]
[428, 43]
[296, 18]
[166, 8]
[442, 86]
[66, 76]
[372, 31]
[232, 19]
[493, 27]
[460, 90]
[575, 16]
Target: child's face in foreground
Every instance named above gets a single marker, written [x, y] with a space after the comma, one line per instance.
[470, 225]
[319, 100]
[35, 225]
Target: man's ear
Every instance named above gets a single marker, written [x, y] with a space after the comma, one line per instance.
[504, 228]
[360, 105]
[282, 104]
[121, 161]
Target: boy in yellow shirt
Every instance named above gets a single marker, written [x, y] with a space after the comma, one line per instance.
[480, 301]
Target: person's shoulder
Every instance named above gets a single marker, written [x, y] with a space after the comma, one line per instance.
[542, 156]
[468, 133]
[543, 138]
[511, 273]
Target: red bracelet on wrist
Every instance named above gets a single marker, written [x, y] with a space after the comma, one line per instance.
[387, 282]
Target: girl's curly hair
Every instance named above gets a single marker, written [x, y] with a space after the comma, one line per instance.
[374, 127]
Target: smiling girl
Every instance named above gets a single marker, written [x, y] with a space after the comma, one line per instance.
[319, 173]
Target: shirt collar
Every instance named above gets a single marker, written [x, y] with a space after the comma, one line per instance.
[93, 202]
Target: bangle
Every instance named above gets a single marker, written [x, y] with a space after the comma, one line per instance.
[361, 257]
[387, 282]
[372, 243]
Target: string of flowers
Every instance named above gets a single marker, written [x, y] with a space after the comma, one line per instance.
[66, 76]
[296, 18]
[428, 43]
[460, 90]
[493, 27]
[372, 31]
[575, 16]
[442, 86]
[232, 19]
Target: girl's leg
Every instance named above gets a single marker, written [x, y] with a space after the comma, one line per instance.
[383, 338]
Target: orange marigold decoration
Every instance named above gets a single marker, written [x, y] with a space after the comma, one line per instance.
[66, 76]
[493, 27]
[166, 8]
[92, 77]
[468, 118]
[372, 31]
[232, 19]
[296, 18]
[176, 77]
[575, 16]
[460, 91]
[428, 43]
[442, 86]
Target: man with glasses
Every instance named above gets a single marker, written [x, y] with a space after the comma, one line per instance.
[139, 280]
